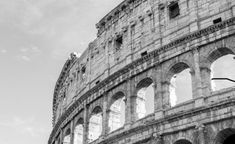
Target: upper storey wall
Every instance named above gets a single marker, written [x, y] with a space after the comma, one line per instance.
[130, 31]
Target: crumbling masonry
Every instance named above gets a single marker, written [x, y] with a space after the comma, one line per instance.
[100, 97]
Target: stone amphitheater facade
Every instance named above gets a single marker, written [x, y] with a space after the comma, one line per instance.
[142, 43]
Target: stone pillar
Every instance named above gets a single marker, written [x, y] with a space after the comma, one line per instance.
[201, 134]
[158, 103]
[165, 92]
[158, 94]
[105, 116]
[206, 83]
[71, 132]
[198, 80]
[137, 101]
[85, 125]
[128, 110]
[193, 12]
[158, 139]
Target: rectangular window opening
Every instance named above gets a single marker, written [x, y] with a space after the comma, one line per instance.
[97, 82]
[83, 70]
[144, 54]
[174, 10]
[218, 20]
[118, 43]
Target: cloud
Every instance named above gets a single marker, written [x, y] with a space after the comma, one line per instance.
[26, 126]
[25, 58]
[23, 50]
[60, 26]
[3, 51]
[28, 53]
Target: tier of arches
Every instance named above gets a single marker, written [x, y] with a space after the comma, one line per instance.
[122, 108]
[225, 136]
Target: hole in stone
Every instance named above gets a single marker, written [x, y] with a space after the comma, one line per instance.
[144, 53]
[218, 20]
[180, 85]
[67, 137]
[118, 43]
[174, 10]
[144, 98]
[97, 82]
[78, 132]
[95, 124]
[117, 112]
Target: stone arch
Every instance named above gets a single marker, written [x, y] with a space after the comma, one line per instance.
[178, 67]
[116, 111]
[185, 72]
[94, 106]
[78, 131]
[217, 53]
[95, 124]
[144, 93]
[67, 137]
[225, 136]
[143, 82]
[116, 96]
[214, 65]
[182, 141]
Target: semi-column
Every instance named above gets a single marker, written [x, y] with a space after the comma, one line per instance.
[201, 134]
[128, 110]
[158, 95]
[105, 116]
[198, 80]
[206, 76]
[158, 139]
[72, 131]
[85, 125]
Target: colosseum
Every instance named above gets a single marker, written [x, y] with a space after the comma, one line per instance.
[122, 89]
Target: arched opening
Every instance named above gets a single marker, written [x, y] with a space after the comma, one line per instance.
[67, 137]
[230, 139]
[95, 124]
[117, 112]
[144, 98]
[222, 67]
[180, 84]
[78, 132]
[182, 141]
[226, 136]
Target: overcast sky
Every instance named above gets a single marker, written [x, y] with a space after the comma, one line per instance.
[36, 38]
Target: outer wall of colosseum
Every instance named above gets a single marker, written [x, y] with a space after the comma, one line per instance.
[100, 97]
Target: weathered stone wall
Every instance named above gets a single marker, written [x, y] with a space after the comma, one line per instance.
[138, 41]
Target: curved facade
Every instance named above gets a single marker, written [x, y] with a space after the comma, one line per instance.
[141, 45]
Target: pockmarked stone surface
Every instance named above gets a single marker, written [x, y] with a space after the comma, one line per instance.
[104, 96]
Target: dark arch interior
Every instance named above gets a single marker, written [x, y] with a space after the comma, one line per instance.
[230, 139]
[179, 67]
[80, 121]
[97, 110]
[117, 96]
[67, 132]
[183, 141]
[219, 53]
[226, 136]
[144, 83]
